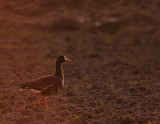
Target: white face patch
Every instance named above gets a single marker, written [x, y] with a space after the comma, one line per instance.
[65, 58]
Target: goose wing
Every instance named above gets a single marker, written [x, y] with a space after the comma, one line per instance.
[41, 83]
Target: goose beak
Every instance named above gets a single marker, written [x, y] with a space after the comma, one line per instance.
[69, 60]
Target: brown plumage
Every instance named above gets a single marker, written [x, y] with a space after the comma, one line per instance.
[48, 85]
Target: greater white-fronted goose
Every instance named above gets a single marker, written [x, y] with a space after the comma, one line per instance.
[48, 85]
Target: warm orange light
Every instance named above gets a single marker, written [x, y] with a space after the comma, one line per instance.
[149, 122]
[66, 59]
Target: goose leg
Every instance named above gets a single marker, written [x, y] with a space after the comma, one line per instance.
[39, 100]
[45, 101]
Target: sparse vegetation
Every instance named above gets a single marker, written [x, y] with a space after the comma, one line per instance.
[114, 75]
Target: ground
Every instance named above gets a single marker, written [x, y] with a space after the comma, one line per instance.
[114, 77]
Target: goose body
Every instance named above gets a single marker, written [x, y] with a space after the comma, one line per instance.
[48, 85]
[43, 85]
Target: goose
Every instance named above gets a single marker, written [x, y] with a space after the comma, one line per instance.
[47, 85]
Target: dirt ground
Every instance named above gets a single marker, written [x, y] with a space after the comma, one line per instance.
[114, 77]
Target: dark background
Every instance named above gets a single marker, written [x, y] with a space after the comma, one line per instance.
[114, 77]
